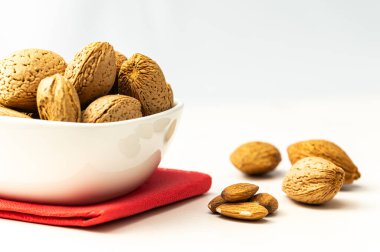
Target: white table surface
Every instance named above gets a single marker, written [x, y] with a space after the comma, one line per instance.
[206, 136]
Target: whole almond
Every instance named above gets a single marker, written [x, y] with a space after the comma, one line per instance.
[266, 200]
[57, 100]
[239, 192]
[142, 78]
[120, 58]
[93, 71]
[112, 108]
[256, 158]
[313, 180]
[215, 202]
[12, 113]
[327, 150]
[21, 73]
[244, 210]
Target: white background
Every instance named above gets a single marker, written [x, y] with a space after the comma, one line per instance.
[278, 71]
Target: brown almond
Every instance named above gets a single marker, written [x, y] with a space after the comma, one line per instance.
[21, 73]
[239, 192]
[256, 158]
[12, 113]
[142, 78]
[112, 108]
[215, 202]
[57, 100]
[92, 71]
[244, 210]
[266, 200]
[313, 180]
[327, 150]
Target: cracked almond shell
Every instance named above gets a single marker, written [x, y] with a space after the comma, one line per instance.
[57, 100]
[92, 71]
[142, 78]
[112, 108]
[21, 73]
[327, 150]
[256, 158]
[313, 180]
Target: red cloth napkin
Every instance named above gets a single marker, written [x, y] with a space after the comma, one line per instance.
[165, 186]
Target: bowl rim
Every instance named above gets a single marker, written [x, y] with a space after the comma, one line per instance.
[178, 105]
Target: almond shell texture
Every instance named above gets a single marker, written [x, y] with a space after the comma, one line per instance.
[142, 78]
[120, 58]
[327, 150]
[21, 73]
[57, 100]
[12, 113]
[92, 71]
[313, 180]
[256, 158]
[112, 108]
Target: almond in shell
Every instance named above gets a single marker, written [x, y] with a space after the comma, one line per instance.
[256, 158]
[21, 73]
[327, 150]
[57, 100]
[92, 71]
[120, 58]
[112, 108]
[142, 78]
[12, 113]
[313, 180]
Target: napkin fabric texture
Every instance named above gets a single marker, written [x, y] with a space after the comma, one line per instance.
[165, 186]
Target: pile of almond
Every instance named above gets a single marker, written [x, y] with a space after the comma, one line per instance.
[99, 85]
[319, 168]
[240, 201]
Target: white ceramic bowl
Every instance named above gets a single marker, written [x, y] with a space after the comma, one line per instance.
[80, 163]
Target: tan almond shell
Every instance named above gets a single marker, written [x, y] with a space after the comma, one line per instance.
[57, 100]
[21, 73]
[12, 113]
[239, 192]
[327, 150]
[170, 93]
[266, 200]
[112, 108]
[120, 58]
[256, 158]
[92, 71]
[244, 210]
[142, 78]
[313, 180]
[215, 202]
